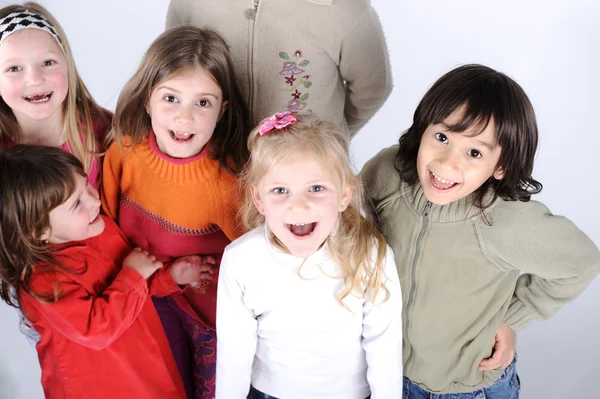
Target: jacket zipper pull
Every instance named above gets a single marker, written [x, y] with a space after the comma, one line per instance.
[251, 12]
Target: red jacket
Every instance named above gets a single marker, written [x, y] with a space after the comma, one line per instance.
[102, 338]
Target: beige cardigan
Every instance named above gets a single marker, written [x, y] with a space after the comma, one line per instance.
[328, 56]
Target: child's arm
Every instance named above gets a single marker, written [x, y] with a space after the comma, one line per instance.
[558, 259]
[93, 321]
[505, 346]
[382, 337]
[237, 329]
[365, 66]
[173, 277]
[381, 181]
[111, 181]
[183, 271]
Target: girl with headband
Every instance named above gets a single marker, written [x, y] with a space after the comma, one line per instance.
[43, 100]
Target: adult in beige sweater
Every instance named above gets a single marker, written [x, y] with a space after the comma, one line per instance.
[328, 56]
[453, 202]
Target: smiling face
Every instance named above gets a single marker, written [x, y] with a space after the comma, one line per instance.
[33, 75]
[185, 110]
[78, 218]
[301, 204]
[453, 165]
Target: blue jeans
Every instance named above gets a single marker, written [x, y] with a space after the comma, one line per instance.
[507, 387]
[256, 394]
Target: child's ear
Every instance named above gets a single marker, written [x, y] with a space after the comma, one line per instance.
[346, 198]
[256, 199]
[223, 109]
[45, 236]
[499, 173]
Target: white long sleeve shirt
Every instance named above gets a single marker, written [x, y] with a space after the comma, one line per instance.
[281, 329]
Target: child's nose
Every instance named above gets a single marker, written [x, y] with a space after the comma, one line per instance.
[450, 159]
[299, 203]
[93, 199]
[184, 114]
[34, 76]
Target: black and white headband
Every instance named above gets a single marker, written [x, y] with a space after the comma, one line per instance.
[16, 21]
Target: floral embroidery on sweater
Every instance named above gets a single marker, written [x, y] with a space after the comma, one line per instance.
[296, 79]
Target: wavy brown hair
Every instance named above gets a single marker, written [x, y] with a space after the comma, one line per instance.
[33, 181]
[355, 238]
[485, 95]
[175, 51]
[79, 110]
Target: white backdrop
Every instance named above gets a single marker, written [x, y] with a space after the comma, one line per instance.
[551, 47]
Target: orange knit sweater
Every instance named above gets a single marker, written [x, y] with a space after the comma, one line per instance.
[172, 208]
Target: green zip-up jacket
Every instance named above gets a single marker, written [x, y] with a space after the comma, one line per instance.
[461, 276]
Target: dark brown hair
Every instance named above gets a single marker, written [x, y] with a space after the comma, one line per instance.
[175, 51]
[33, 181]
[485, 95]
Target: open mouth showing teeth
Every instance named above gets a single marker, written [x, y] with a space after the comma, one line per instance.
[181, 136]
[302, 229]
[39, 98]
[440, 183]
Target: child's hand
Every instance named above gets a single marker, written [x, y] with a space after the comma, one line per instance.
[504, 349]
[142, 262]
[193, 268]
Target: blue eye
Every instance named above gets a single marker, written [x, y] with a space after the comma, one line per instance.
[474, 153]
[280, 190]
[441, 137]
[316, 188]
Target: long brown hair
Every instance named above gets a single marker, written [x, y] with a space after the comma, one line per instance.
[355, 238]
[79, 110]
[485, 95]
[33, 181]
[175, 51]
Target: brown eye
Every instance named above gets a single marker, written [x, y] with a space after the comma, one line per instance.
[474, 153]
[441, 137]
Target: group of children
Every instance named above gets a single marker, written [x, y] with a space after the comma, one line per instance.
[208, 259]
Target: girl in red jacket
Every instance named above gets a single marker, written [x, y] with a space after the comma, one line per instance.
[100, 334]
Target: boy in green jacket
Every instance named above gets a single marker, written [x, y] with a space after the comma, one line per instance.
[453, 201]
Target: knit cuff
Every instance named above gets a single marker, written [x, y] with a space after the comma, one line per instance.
[162, 283]
[518, 316]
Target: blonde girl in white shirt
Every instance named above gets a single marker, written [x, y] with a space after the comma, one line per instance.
[309, 302]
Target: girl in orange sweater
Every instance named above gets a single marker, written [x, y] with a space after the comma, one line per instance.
[169, 180]
[100, 335]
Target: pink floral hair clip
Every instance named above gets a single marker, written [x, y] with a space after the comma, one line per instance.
[277, 121]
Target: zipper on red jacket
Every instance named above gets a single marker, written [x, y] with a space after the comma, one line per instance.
[413, 279]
